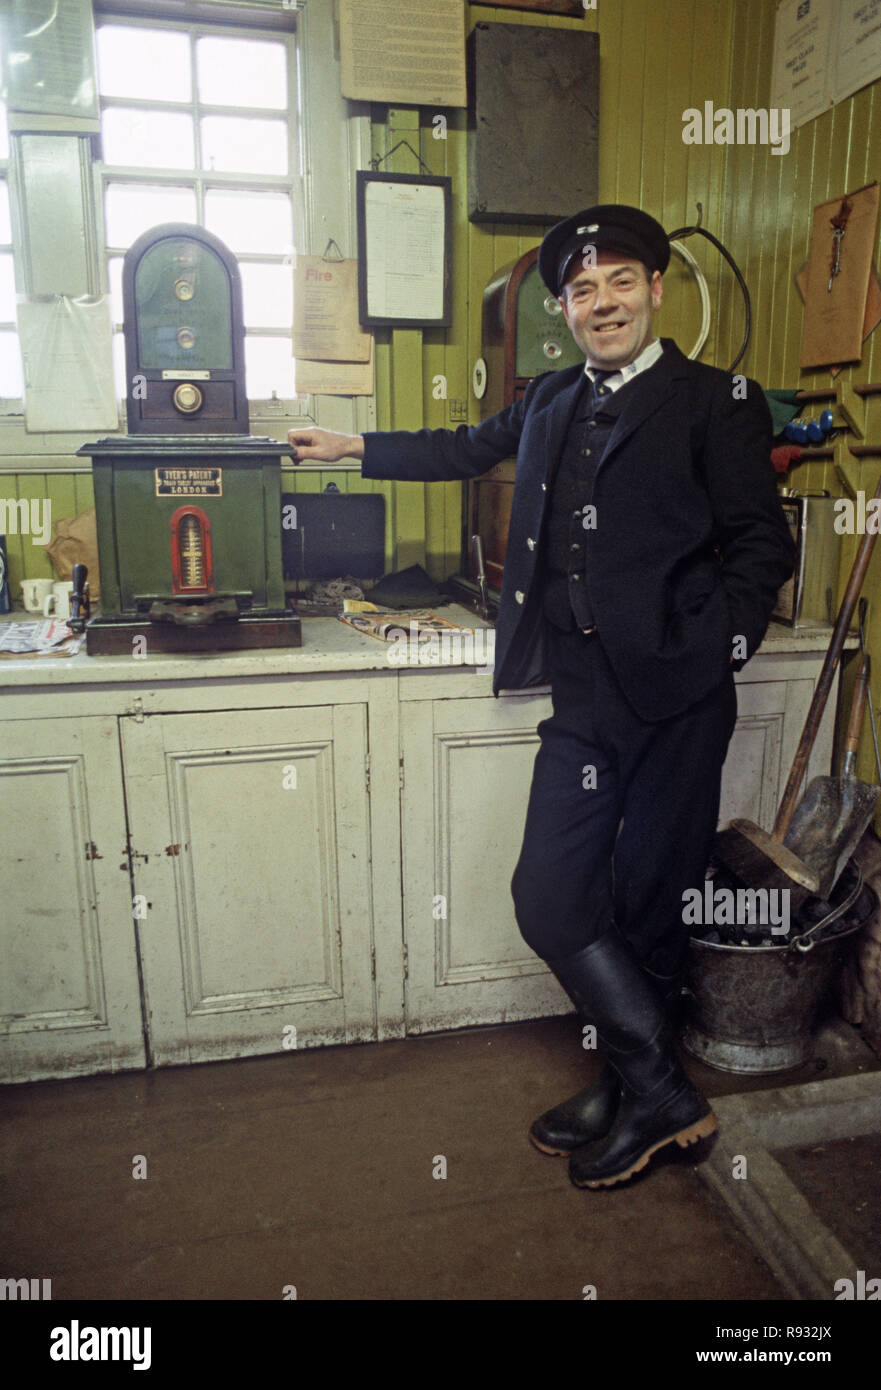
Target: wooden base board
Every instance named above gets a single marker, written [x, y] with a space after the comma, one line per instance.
[114, 636]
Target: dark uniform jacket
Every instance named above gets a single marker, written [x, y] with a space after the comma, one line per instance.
[690, 545]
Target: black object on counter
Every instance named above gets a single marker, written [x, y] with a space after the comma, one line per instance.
[409, 588]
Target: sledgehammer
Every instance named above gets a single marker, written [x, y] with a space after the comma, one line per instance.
[757, 858]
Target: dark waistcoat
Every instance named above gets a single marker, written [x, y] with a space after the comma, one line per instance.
[570, 526]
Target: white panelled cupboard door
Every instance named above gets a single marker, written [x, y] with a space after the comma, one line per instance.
[250, 844]
[771, 712]
[69, 995]
[467, 768]
[751, 784]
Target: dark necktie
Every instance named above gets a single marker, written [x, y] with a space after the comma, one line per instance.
[599, 380]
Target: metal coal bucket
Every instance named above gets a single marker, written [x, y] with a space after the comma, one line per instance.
[753, 1008]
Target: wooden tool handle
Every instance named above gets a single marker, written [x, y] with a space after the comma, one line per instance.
[824, 683]
[855, 723]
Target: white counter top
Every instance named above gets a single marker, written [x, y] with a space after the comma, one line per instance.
[328, 646]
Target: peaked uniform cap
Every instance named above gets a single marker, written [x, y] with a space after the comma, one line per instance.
[609, 226]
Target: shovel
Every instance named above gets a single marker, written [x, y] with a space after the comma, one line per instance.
[834, 812]
[754, 856]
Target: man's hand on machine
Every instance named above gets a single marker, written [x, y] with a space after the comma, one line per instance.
[328, 446]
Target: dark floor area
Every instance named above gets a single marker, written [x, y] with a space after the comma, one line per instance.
[841, 1179]
[315, 1169]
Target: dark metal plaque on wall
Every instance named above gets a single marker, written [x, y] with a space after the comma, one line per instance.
[532, 122]
[577, 9]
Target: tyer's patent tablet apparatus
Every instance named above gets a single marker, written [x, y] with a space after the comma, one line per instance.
[188, 504]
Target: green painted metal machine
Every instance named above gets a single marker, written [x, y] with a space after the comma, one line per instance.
[188, 504]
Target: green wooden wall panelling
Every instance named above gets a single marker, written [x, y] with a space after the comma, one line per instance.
[769, 205]
[68, 494]
[655, 61]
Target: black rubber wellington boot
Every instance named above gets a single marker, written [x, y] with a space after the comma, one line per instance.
[658, 1104]
[588, 1115]
[580, 1119]
[670, 989]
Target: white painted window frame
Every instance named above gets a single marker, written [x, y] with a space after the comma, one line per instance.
[199, 179]
[7, 248]
[334, 139]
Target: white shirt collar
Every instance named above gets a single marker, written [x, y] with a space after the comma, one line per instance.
[647, 358]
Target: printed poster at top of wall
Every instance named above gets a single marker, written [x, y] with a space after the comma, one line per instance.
[859, 46]
[801, 69]
[412, 51]
[824, 51]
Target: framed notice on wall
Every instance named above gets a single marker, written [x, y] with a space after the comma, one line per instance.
[404, 250]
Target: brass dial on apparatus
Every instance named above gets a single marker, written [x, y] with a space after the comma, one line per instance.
[187, 398]
[184, 288]
[185, 338]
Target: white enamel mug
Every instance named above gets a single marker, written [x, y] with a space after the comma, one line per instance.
[35, 592]
[57, 604]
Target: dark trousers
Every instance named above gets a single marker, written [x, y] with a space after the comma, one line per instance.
[622, 812]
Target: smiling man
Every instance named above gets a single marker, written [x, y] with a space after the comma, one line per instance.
[645, 549]
[609, 306]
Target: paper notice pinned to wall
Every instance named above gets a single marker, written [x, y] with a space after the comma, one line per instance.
[326, 322]
[334, 378]
[49, 80]
[411, 51]
[858, 51]
[839, 268]
[801, 67]
[824, 51]
[871, 314]
[68, 364]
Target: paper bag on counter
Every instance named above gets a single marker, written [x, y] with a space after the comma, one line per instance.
[76, 542]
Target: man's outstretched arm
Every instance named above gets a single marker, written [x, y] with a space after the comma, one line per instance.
[425, 455]
[328, 446]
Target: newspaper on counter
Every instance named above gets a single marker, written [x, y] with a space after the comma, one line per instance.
[45, 637]
[418, 637]
[386, 623]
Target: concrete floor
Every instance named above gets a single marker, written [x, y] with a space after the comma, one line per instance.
[825, 1173]
[315, 1169]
